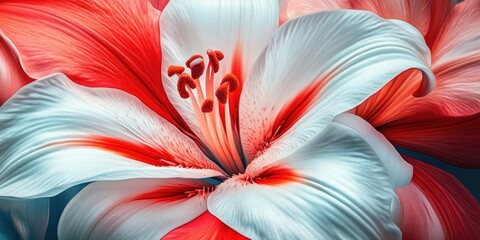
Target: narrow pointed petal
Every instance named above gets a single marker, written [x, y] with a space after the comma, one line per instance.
[57, 134]
[132, 209]
[29, 217]
[435, 205]
[239, 29]
[334, 187]
[204, 227]
[95, 43]
[320, 65]
[12, 75]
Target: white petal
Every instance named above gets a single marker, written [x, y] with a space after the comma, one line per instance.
[329, 62]
[399, 170]
[191, 27]
[131, 209]
[57, 134]
[29, 217]
[334, 187]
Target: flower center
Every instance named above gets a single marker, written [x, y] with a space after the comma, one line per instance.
[211, 106]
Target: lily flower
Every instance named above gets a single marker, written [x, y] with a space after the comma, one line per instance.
[232, 128]
[445, 124]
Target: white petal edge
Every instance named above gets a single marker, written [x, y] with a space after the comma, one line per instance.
[43, 115]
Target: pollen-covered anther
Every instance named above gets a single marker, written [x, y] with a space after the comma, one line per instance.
[172, 70]
[212, 57]
[196, 65]
[222, 93]
[207, 105]
[184, 80]
[232, 80]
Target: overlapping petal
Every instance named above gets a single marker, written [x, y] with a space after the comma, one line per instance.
[56, 134]
[132, 209]
[435, 205]
[95, 43]
[336, 187]
[12, 76]
[320, 65]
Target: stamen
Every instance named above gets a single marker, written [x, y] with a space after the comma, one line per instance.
[172, 70]
[183, 80]
[196, 65]
[222, 93]
[213, 60]
[232, 80]
[207, 106]
[219, 55]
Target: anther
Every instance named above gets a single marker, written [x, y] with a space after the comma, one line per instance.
[219, 55]
[196, 65]
[232, 80]
[183, 80]
[207, 106]
[213, 60]
[172, 70]
[222, 93]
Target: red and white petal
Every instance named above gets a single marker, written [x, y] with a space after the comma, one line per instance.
[56, 134]
[426, 15]
[335, 187]
[132, 209]
[204, 227]
[456, 64]
[113, 43]
[453, 140]
[435, 205]
[12, 75]
[28, 217]
[239, 29]
[318, 66]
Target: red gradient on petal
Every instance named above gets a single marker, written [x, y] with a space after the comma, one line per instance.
[136, 151]
[453, 140]
[159, 4]
[294, 110]
[273, 176]
[277, 175]
[204, 227]
[455, 208]
[12, 76]
[113, 43]
[169, 193]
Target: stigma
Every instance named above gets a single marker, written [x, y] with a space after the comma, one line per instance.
[211, 105]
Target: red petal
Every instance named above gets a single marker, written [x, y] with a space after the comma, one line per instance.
[159, 4]
[12, 76]
[95, 43]
[206, 226]
[456, 211]
[453, 140]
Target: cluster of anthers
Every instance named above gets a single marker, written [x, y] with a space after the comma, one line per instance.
[211, 108]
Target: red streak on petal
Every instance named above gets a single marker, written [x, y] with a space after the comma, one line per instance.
[136, 151]
[204, 227]
[273, 176]
[294, 110]
[169, 194]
